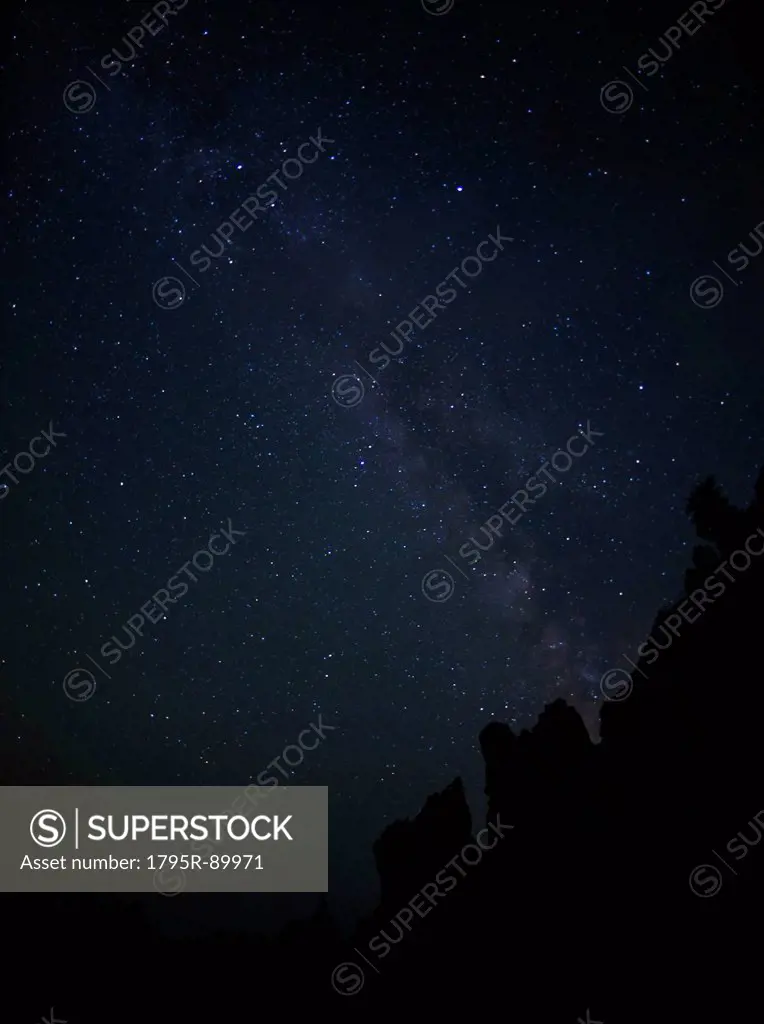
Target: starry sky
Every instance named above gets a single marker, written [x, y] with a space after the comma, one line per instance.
[179, 419]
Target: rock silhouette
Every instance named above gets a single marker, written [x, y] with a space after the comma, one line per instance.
[628, 888]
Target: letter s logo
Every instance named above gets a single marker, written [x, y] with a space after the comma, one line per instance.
[47, 828]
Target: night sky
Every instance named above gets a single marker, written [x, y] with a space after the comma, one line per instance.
[224, 410]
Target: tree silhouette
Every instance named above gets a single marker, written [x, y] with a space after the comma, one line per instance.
[715, 519]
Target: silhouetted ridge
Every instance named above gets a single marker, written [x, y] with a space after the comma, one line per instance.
[408, 853]
[675, 693]
[600, 903]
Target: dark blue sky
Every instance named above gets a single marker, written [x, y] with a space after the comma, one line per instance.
[177, 420]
